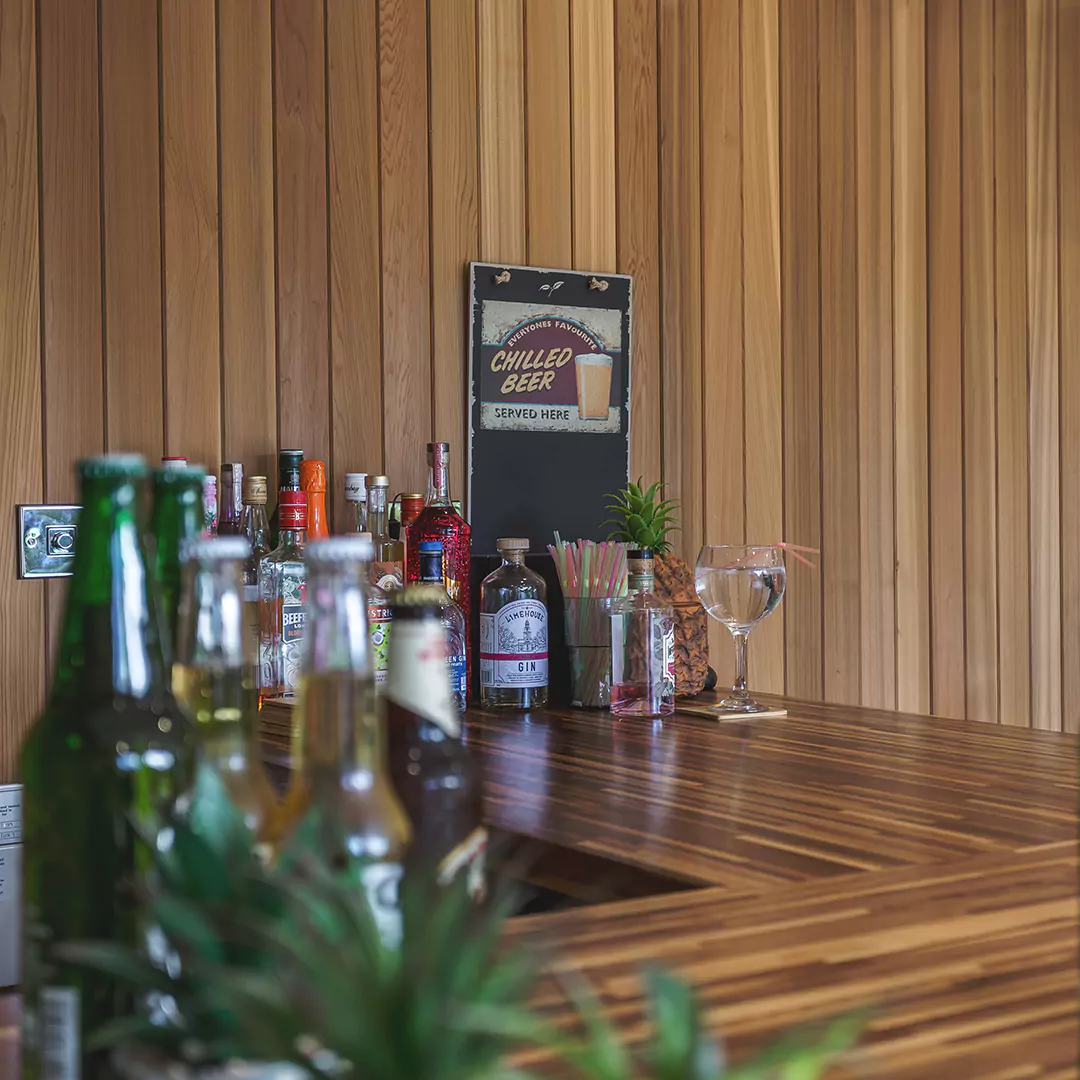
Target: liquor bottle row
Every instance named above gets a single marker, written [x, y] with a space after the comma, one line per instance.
[153, 713]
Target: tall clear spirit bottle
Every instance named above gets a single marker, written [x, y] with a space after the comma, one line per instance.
[282, 584]
[513, 632]
[431, 573]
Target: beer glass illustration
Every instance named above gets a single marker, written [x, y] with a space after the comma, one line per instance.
[593, 385]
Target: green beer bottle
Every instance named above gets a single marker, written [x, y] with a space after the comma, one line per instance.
[111, 747]
[177, 518]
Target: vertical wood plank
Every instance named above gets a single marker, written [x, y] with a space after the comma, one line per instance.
[547, 133]
[980, 441]
[839, 375]
[680, 265]
[592, 34]
[455, 216]
[70, 252]
[721, 275]
[22, 659]
[132, 226]
[192, 314]
[909, 356]
[944, 313]
[406, 265]
[800, 313]
[761, 312]
[248, 307]
[637, 220]
[874, 224]
[1041, 122]
[502, 131]
[1069, 299]
[355, 344]
[1010, 255]
[300, 172]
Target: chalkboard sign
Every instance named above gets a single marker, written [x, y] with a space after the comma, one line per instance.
[549, 430]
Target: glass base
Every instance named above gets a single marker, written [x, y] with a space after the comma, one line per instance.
[739, 705]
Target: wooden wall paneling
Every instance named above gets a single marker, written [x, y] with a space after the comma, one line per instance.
[637, 220]
[192, 313]
[680, 266]
[800, 314]
[300, 177]
[592, 57]
[1010, 257]
[455, 218]
[721, 282]
[22, 662]
[248, 302]
[839, 373]
[763, 387]
[406, 256]
[549, 210]
[873, 64]
[355, 268]
[980, 432]
[70, 253]
[502, 131]
[1069, 300]
[131, 196]
[1041, 123]
[944, 316]
[910, 375]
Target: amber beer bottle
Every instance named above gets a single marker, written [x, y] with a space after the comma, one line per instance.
[432, 769]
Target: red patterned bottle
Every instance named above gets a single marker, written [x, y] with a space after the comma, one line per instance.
[440, 521]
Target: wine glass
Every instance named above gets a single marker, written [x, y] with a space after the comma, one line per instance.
[739, 585]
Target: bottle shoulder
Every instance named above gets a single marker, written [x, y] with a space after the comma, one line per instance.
[526, 584]
[643, 602]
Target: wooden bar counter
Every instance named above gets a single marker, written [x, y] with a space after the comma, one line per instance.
[794, 868]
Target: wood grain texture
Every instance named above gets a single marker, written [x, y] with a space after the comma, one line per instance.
[839, 355]
[248, 296]
[637, 205]
[1069, 298]
[73, 387]
[501, 107]
[355, 268]
[910, 379]
[131, 200]
[406, 256]
[944, 355]
[592, 63]
[763, 390]
[300, 177]
[873, 64]
[189, 156]
[455, 219]
[723, 439]
[980, 429]
[1041, 128]
[22, 662]
[550, 209]
[680, 266]
[800, 315]
[1010, 316]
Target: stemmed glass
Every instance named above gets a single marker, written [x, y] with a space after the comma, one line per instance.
[739, 585]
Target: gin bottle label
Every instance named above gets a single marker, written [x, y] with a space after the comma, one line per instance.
[514, 645]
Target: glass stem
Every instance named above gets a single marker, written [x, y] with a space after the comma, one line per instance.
[738, 688]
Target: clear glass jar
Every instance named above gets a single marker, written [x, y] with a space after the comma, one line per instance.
[513, 632]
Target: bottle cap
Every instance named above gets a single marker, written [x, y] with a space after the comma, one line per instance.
[173, 462]
[210, 483]
[433, 446]
[291, 455]
[379, 481]
[417, 602]
[339, 551]
[182, 475]
[430, 547]
[131, 466]
[640, 553]
[235, 469]
[216, 549]
[355, 486]
[255, 490]
[512, 543]
[313, 475]
[292, 509]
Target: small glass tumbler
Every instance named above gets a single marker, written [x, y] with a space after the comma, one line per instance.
[588, 638]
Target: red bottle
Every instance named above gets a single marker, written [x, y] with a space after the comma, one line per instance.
[440, 521]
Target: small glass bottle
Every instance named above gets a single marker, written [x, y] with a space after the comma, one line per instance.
[313, 484]
[256, 528]
[282, 614]
[380, 617]
[210, 505]
[431, 573]
[231, 506]
[388, 566]
[642, 645]
[513, 632]
[356, 503]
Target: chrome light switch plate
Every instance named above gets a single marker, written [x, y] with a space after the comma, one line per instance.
[46, 540]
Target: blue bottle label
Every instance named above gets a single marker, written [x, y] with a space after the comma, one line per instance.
[458, 679]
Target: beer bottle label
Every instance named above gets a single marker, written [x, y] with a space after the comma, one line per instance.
[514, 645]
[380, 882]
[419, 679]
[61, 1052]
